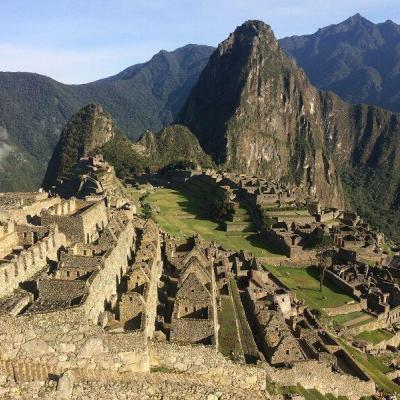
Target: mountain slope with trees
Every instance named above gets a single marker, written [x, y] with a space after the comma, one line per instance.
[34, 108]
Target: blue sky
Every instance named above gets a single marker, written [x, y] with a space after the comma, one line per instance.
[76, 41]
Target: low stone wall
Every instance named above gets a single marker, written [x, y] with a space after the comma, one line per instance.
[63, 340]
[369, 326]
[318, 375]
[347, 288]
[346, 308]
[207, 362]
[30, 261]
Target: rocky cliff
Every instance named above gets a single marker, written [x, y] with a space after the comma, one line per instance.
[88, 130]
[257, 113]
[92, 130]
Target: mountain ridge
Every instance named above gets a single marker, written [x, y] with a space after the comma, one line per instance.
[273, 122]
[356, 58]
[34, 108]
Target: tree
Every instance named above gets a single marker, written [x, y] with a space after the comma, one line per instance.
[325, 260]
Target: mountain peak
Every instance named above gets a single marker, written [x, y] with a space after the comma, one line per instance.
[252, 107]
[89, 129]
[252, 28]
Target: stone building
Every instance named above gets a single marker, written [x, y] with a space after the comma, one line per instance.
[194, 317]
[79, 220]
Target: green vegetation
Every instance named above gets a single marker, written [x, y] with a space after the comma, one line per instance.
[375, 196]
[34, 108]
[173, 145]
[229, 344]
[372, 369]
[182, 215]
[119, 153]
[375, 337]
[305, 283]
[343, 318]
[308, 394]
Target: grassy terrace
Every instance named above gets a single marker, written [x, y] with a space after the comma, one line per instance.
[228, 334]
[184, 215]
[375, 369]
[305, 282]
[375, 337]
[342, 319]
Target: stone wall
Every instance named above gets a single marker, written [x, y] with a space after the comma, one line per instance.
[63, 340]
[345, 286]
[77, 225]
[30, 261]
[208, 363]
[26, 213]
[346, 308]
[8, 240]
[104, 284]
[318, 375]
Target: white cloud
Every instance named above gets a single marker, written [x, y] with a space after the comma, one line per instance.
[5, 148]
[3, 133]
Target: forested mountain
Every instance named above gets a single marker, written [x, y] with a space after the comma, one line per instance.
[34, 108]
[273, 122]
[356, 59]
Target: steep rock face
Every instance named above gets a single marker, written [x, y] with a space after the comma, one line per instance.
[172, 144]
[257, 113]
[356, 59]
[88, 130]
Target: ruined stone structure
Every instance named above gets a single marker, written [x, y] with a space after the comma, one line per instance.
[95, 294]
[376, 285]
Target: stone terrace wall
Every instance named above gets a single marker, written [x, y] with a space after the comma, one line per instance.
[346, 308]
[30, 261]
[207, 362]
[22, 215]
[57, 341]
[318, 375]
[346, 287]
[104, 284]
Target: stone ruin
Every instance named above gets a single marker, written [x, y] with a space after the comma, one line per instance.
[94, 293]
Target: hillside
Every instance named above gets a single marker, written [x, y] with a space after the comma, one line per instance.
[92, 131]
[172, 144]
[34, 108]
[268, 120]
[356, 59]
[256, 112]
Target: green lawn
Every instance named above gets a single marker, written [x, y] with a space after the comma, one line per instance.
[305, 282]
[341, 319]
[176, 217]
[228, 334]
[375, 337]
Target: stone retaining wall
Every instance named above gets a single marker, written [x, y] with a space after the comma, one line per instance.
[346, 308]
[318, 375]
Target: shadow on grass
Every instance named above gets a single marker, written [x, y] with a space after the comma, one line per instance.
[258, 241]
[314, 272]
